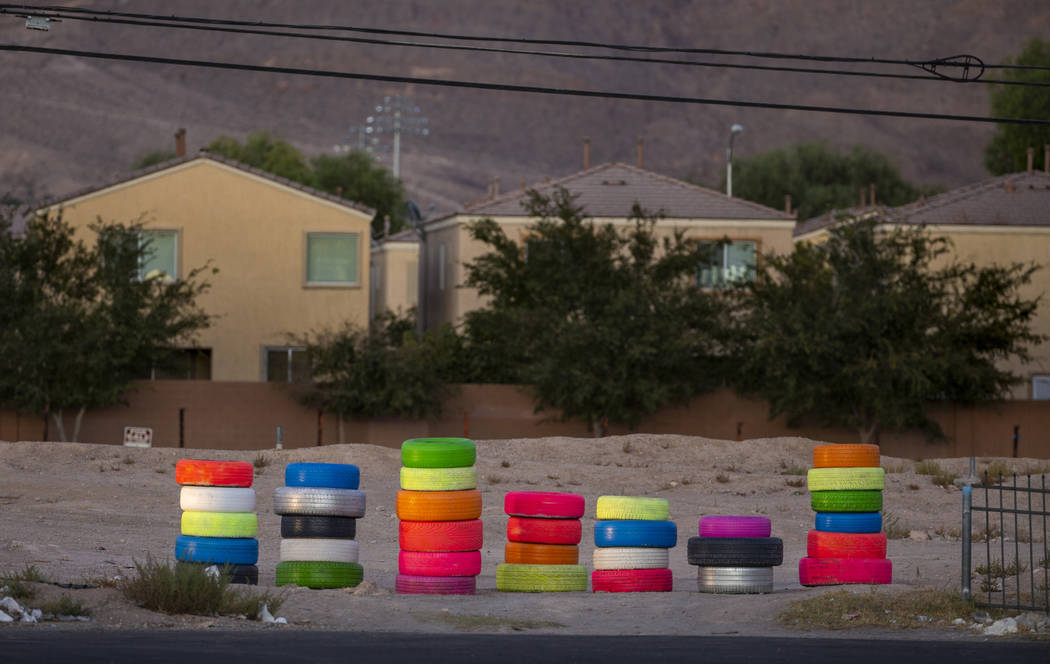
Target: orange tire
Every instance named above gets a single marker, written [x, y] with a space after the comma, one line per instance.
[439, 505]
[525, 553]
[440, 535]
[838, 455]
[195, 472]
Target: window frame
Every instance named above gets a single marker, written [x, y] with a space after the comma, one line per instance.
[307, 283]
[266, 350]
[724, 283]
[176, 251]
[1040, 378]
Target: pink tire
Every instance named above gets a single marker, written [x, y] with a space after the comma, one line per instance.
[407, 584]
[442, 563]
[837, 571]
[544, 504]
[632, 581]
[735, 526]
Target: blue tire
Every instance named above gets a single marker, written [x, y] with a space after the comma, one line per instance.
[326, 475]
[849, 522]
[217, 550]
[655, 534]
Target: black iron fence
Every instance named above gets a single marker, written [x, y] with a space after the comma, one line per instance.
[1006, 554]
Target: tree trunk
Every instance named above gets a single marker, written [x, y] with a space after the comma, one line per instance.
[598, 426]
[867, 434]
[76, 425]
[59, 424]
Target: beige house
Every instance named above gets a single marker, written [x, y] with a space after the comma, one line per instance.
[395, 273]
[291, 259]
[1002, 220]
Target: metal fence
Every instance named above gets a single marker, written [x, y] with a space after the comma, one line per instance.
[1004, 537]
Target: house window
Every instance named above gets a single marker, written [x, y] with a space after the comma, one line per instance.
[331, 259]
[161, 254]
[731, 262]
[1041, 387]
[182, 364]
[287, 365]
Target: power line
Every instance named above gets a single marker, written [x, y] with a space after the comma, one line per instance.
[212, 64]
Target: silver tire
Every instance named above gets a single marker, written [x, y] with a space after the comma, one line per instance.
[308, 549]
[735, 580]
[318, 500]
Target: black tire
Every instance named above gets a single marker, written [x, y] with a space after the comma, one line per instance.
[331, 527]
[736, 551]
[244, 574]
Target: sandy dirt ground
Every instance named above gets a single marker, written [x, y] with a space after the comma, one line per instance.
[82, 512]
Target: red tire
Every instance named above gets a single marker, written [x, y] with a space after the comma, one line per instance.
[837, 571]
[544, 531]
[196, 472]
[407, 584]
[631, 580]
[441, 535]
[440, 563]
[527, 553]
[735, 526]
[546, 504]
[822, 544]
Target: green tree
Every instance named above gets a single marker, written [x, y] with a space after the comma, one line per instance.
[151, 158]
[605, 325]
[267, 152]
[871, 327]
[820, 179]
[79, 325]
[1007, 151]
[357, 177]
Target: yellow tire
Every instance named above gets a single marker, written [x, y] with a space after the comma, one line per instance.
[633, 508]
[540, 578]
[220, 524]
[438, 479]
[842, 479]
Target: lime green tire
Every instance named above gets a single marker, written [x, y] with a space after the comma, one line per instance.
[632, 508]
[220, 524]
[319, 574]
[438, 479]
[845, 479]
[540, 578]
[438, 453]
[846, 501]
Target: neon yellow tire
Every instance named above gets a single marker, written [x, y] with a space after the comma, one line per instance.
[843, 479]
[540, 578]
[632, 508]
[438, 479]
[220, 524]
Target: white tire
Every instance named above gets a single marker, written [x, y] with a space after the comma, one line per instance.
[630, 557]
[317, 500]
[217, 499]
[319, 550]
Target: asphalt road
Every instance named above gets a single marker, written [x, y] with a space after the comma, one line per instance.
[286, 647]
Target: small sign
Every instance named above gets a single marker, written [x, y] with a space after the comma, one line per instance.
[138, 437]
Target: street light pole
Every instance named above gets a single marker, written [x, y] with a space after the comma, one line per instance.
[733, 131]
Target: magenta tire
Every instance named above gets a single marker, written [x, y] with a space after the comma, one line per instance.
[632, 581]
[544, 504]
[408, 584]
[839, 571]
[439, 563]
[735, 526]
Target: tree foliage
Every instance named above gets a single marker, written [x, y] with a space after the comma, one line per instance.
[1007, 151]
[820, 179]
[267, 152]
[605, 325]
[869, 328]
[152, 158]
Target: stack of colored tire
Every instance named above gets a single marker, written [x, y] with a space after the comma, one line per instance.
[439, 507]
[543, 536]
[319, 507]
[633, 537]
[735, 554]
[218, 525]
[846, 545]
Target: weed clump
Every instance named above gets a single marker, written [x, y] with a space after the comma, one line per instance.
[189, 589]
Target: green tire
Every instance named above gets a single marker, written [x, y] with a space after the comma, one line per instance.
[319, 574]
[220, 524]
[438, 479]
[846, 501]
[632, 508]
[540, 578]
[438, 453]
[846, 479]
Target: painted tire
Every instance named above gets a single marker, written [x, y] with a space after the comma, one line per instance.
[438, 453]
[441, 535]
[632, 508]
[631, 580]
[540, 578]
[527, 553]
[440, 563]
[848, 522]
[736, 551]
[544, 504]
[438, 479]
[735, 526]
[196, 472]
[658, 534]
[439, 505]
[319, 550]
[544, 531]
[325, 475]
[821, 544]
[846, 501]
[841, 479]
[217, 499]
[631, 557]
[407, 584]
[217, 550]
[320, 501]
[220, 524]
[319, 574]
[734, 580]
[242, 574]
[311, 525]
[836, 571]
[837, 455]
